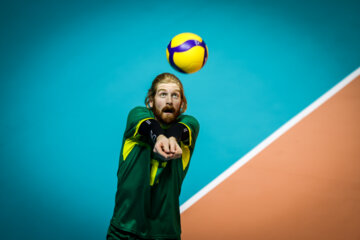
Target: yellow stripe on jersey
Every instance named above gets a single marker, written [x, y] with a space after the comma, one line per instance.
[185, 155]
[128, 146]
[190, 140]
[132, 141]
[153, 170]
[138, 125]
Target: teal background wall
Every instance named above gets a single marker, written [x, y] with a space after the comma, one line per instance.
[70, 71]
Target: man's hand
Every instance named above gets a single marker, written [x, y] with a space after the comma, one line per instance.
[167, 148]
[175, 149]
[162, 147]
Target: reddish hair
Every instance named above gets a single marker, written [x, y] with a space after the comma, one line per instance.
[165, 78]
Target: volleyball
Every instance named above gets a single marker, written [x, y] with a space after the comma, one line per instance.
[187, 52]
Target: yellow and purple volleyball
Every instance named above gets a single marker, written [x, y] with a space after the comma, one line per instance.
[187, 52]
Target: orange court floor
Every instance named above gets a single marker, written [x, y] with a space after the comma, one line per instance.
[304, 185]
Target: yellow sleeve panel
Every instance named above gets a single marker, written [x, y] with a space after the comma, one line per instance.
[131, 142]
[185, 155]
[128, 146]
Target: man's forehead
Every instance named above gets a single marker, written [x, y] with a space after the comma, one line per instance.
[168, 87]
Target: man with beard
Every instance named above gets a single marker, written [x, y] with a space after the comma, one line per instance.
[157, 146]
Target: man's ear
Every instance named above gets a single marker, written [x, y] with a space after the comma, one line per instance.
[182, 107]
[151, 103]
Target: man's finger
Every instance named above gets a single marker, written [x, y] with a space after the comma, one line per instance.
[163, 155]
[172, 147]
[178, 152]
[160, 150]
[165, 147]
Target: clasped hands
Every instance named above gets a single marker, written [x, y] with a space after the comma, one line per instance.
[167, 148]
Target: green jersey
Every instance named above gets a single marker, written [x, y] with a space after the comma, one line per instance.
[147, 198]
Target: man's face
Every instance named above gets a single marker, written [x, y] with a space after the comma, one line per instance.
[167, 102]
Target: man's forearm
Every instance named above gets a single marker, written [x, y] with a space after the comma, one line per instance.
[151, 129]
[179, 132]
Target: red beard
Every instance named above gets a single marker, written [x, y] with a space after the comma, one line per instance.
[167, 114]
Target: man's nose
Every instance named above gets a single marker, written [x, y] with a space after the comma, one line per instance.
[169, 100]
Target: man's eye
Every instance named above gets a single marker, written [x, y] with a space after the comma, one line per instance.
[176, 96]
[162, 94]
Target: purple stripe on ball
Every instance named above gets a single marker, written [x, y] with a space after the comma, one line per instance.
[171, 59]
[205, 55]
[187, 45]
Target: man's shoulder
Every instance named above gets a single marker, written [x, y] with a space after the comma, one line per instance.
[189, 120]
[187, 117]
[140, 110]
[138, 113]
